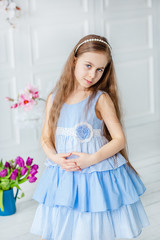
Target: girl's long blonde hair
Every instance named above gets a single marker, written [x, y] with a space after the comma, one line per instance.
[66, 85]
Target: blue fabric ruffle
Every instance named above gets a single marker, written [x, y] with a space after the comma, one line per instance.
[53, 223]
[89, 192]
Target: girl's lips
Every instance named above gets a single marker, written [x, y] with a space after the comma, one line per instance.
[89, 82]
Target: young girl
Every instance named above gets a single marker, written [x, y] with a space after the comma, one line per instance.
[89, 190]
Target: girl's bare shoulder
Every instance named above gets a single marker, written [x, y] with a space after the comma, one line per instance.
[105, 102]
[104, 99]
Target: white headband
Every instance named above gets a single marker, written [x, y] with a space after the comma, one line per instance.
[90, 40]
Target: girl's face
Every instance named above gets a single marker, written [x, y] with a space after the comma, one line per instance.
[89, 68]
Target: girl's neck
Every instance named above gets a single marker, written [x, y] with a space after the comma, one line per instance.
[81, 90]
[81, 93]
[77, 96]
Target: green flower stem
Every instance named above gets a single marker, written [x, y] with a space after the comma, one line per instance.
[1, 200]
[42, 99]
[23, 179]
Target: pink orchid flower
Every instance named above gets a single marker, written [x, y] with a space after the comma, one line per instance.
[26, 101]
[14, 105]
[34, 91]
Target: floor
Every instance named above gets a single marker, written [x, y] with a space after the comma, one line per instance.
[16, 227]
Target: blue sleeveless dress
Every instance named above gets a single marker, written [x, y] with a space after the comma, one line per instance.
[97, 203]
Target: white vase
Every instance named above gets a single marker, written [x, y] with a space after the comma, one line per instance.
[30, 118]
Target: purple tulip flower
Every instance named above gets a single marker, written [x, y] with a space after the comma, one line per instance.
[14, 174]
[35, 166]
[32, 179]
[20, 161]
[3, 173]
[24, 170]
[33, 172]
[14, 165]
[29, 161]
[7, 165]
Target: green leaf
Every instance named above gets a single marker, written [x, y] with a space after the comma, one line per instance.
[17, 186]
[4, 180]
[1, 164]
[16, 180]
[22, 195]
[12, 184]
[8, 173]
[11, 160]
[5, 185]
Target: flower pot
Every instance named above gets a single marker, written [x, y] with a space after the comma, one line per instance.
[9, 202]
[31, 118]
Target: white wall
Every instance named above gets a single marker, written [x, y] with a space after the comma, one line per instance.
[37, 50]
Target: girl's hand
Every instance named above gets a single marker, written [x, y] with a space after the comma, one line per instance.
[67, 164]
[84, 160]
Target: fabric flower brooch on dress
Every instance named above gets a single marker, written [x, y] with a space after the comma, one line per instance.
[84, 132]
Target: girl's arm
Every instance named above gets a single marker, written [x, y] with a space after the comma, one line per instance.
[106, 109]
[48, 148]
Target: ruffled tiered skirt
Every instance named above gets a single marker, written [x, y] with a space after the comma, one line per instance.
[101, 202]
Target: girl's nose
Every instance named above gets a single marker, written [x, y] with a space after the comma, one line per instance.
[91, 74]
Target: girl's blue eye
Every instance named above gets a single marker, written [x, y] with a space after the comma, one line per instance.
[88, 65]
[99, 70]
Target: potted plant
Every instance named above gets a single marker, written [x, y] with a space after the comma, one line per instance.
[12, 174]
[26, 99]
[28, 106]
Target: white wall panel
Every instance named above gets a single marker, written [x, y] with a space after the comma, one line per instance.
[128, 4]
[7, 60]
[52, 42]
[38, 50]
[8, 133]
[130, 28]
[46, 82]
[58, 7]
[132, 33]
[138, 97]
